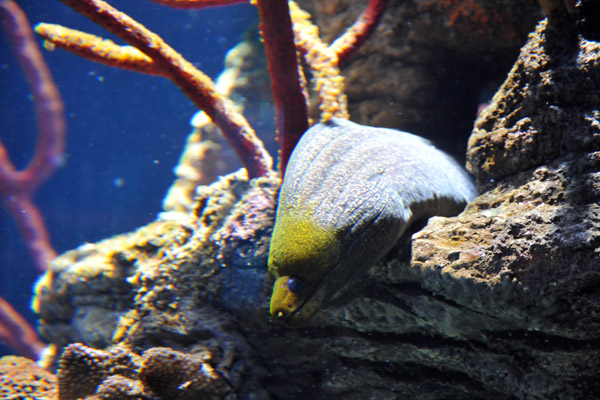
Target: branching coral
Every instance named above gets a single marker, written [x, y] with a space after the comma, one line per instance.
[197, 86]
[17, 187]
[287, 84]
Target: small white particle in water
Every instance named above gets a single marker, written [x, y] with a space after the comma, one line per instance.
[156, 162]
[119, 182]
[100, 79]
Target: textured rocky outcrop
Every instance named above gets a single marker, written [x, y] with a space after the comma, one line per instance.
[500, 302]
[435, 61]
[21, 378]
[116, 374]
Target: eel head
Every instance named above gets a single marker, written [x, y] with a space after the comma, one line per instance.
[297, 261]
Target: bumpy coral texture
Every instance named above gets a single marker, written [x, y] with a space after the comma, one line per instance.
[160, 373]
[21, 378]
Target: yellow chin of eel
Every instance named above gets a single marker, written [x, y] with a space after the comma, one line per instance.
[283, 301]
[302, 252]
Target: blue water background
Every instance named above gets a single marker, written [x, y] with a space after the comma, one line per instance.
[125, 131]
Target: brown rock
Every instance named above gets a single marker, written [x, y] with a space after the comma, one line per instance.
[21, 378]
[548, 106]
[430, 63]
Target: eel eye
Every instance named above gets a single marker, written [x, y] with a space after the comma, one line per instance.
[295, 284]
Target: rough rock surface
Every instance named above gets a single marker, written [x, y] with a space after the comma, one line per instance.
[21, 378]
[500, 302]
[546, 109]
[436, 61]
[115, 374]
[179, 284]
[119, 374]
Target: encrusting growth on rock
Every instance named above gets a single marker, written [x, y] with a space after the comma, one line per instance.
[117, 374]
[21, 378]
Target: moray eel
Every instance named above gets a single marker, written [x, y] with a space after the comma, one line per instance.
[349, 193]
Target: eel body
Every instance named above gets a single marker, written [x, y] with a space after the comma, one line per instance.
[349, 193]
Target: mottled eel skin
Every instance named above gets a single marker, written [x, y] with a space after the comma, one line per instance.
[349, 193]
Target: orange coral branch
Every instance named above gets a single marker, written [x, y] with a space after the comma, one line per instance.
[291, 112]
[97, 49]
[198, 3]
[346, 45]
[323, 63]
[280, 47]
[196, 85]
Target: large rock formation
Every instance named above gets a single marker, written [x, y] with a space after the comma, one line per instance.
[434, 61]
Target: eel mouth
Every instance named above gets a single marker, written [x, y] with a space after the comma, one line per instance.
[311, 303]
[293, 319]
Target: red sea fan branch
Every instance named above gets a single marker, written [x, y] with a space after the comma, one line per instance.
[291, 112]
[347, 44]
[17, 187]
[17, 334]
[192, 82]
